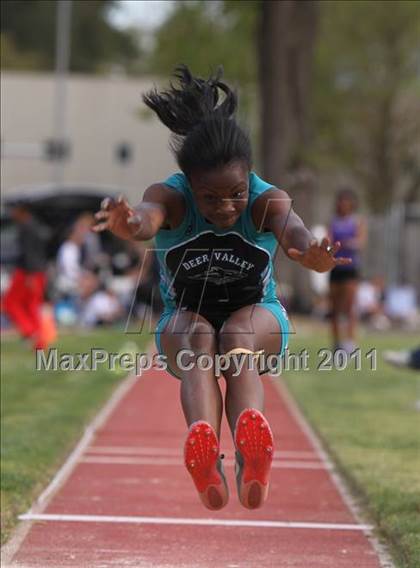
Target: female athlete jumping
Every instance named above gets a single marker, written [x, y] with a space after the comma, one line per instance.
[217, 226]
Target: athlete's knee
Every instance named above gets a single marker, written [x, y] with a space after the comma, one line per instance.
[201, 337]
[234, 335]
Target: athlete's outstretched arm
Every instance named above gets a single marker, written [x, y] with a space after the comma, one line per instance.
[275, 213]
[142, 222]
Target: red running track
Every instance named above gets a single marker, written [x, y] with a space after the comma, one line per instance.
[129, 502]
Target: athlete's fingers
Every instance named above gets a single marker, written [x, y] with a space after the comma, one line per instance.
[100, 227]
[106, 203]
[295, 254]
[102, 215]
[123, 201]
[343, 261]
[325, 243]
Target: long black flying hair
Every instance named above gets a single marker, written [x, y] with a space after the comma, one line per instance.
[206, 134]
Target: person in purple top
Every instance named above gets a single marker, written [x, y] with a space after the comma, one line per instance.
[350, 230]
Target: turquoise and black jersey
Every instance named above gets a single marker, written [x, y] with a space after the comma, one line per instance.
[215, 271]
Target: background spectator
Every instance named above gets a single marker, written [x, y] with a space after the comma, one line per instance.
[24, 298]
[350, 230]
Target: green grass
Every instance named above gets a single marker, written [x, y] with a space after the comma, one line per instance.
[369, 421]
[45, 413]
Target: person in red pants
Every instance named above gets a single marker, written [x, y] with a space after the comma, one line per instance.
[25, 296]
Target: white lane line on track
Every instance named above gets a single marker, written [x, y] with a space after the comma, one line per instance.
[295, 411]
[134, 451]
[163, 452]
[188, 521]
[158, 461]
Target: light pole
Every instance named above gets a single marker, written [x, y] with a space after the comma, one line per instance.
[62, 61]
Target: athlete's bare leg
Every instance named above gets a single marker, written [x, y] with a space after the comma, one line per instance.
[200, 393]
[253, 328]
[201, 401]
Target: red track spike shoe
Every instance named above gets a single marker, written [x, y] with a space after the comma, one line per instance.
[202, 459]
[254, 454]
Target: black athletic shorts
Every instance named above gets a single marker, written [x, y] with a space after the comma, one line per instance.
[343, 275]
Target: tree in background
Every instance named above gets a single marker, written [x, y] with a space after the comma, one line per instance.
[286, 43]
[287, 35]
[28, 36]
[206, 34]
[366, 96]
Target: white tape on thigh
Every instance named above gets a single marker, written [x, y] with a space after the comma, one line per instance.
[242, 350]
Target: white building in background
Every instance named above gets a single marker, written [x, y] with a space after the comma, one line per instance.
[103, 114]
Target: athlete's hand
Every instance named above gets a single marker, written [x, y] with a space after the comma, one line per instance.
[118, 217]
[319, 257]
